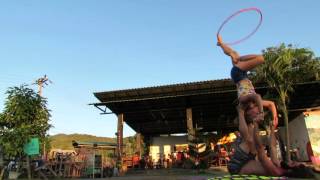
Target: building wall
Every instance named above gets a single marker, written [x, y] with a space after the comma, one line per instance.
[165, 145]
[313, 125]
[299, 136]
[304, 131]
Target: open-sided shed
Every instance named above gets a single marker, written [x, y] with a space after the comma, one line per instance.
[211, 105]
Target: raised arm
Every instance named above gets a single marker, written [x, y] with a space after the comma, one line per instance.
[272, 108]
[268, 165]
[243, 127]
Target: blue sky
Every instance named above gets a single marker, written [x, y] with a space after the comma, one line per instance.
[89, 46]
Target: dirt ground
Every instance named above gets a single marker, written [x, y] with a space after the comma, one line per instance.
[172, 174]
[177, 177]
[178, 174]
[171, 177]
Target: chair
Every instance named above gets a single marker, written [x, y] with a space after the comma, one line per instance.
[223, 157]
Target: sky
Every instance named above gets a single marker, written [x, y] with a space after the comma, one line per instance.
[87, 46]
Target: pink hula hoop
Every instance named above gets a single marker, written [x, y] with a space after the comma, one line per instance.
[235, 14]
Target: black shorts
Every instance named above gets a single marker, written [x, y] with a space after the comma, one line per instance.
[237, 74]
[238, 160]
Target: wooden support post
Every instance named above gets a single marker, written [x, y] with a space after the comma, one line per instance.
[190, 124]
[138, 141]
[28, 167]
[120, 137]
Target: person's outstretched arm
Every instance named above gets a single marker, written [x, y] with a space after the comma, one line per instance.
[243, 127]
[268, 165]
[273, 147]
[272, 108]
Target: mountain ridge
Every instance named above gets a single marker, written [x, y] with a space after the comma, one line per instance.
[64, 141]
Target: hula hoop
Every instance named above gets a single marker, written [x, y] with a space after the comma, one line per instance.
[237, 13]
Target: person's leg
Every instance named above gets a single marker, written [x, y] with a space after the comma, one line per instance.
[246, 62]
[272, 147]
[263, 158]
[253, 167]
[229, 51]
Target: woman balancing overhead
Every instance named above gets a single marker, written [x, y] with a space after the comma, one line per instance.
[247, 97]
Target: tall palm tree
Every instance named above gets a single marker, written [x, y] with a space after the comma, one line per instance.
[284, 66]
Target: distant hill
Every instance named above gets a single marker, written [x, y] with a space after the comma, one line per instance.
[64, 141]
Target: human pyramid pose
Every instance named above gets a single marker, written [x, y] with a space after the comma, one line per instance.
[250, 112]
[247, 97]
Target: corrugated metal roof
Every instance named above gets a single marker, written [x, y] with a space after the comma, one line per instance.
[166, 90]
[166, 86]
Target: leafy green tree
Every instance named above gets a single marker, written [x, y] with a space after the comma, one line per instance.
[47, 143]
[130, 145]
[284, 66]
[25, 115]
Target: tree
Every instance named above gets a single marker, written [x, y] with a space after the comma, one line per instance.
[201, 141]
[131, 145]
[25, 115]
[284, 66]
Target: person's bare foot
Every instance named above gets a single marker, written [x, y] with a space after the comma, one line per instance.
[219, 40]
